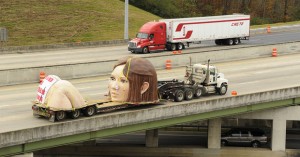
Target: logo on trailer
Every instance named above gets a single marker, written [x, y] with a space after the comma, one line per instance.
[237, 23]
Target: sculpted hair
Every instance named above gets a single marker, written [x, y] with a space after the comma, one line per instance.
[139, 70]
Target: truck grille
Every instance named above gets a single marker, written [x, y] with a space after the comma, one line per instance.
[132, 44]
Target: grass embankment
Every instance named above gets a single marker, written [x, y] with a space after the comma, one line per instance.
[34, 22]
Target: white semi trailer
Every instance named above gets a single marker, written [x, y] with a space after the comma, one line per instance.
[176, 34]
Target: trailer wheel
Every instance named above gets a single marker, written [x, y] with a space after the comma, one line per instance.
[236, 41]
[145, 50]
[89, 111]
[179, 46]
[179, 95]
[223, 89]
[198, 92]
[188, 94]
[75, 114]
[173, 47]
[60, 115]
[229, 42]
[218, 42]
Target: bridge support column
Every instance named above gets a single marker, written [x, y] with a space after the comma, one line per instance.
[214, 133]
[278, 134]
[152, 138]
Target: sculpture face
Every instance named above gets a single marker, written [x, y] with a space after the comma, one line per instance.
[118, 85]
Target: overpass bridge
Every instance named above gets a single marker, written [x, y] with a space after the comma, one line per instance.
[150, 118]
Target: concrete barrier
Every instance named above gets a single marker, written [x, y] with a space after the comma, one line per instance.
[89, 69]
[35, 48]
[155, 117]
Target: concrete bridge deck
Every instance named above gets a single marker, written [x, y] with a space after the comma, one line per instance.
[84, 129]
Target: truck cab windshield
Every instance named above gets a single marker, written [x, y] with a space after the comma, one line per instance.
[142, 35]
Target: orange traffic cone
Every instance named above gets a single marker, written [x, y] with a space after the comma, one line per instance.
[42, 76]
[274, 52]
[234, 93]
[268, 29]
[168, 64]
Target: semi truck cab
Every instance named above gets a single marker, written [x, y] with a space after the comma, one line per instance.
[151, 37]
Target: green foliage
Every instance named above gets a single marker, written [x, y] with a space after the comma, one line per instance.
[261, 11]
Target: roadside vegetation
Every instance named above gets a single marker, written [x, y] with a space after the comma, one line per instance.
[36, 22]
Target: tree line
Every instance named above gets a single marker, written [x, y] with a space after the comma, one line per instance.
[261, 11]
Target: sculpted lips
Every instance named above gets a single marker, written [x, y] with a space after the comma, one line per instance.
[114, 94]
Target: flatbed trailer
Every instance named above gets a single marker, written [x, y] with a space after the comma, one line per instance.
[89, 109]
[178, 90]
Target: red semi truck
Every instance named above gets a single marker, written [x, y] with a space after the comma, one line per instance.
[176, 34]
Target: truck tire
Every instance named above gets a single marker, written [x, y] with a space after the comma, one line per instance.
[229, 41]
[75, 114]
[188, 94]
[145, 50]
[168, 47]
[89, 111]
[179, 46]
[198, 92]
[218, 42]
[173, 47]
[223, 89]
[236, 41]
[60, 115]
[179, 95]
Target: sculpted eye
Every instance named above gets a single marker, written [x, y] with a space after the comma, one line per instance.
[123, 80]
[112, 78]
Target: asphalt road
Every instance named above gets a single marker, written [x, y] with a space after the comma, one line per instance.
[245, 76]
[82, 55]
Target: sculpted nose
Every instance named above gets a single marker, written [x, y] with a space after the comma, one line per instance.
[115, 85]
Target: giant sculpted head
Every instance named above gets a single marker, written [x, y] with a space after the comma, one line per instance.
[133, 80]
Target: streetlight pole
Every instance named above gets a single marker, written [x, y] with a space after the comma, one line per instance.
[126, 21]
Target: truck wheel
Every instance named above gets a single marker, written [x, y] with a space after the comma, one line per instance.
[255, 144]
[168, 47]
[145, 50]
[188, 94]
[236, 41]
[75, 114]
[179, 95]
[60, 115]
[229, 41]
[198, 92]
[89, 111]
[223, 89]
[218, 42]
[173, 47]
[132, 51]
[179, 46]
